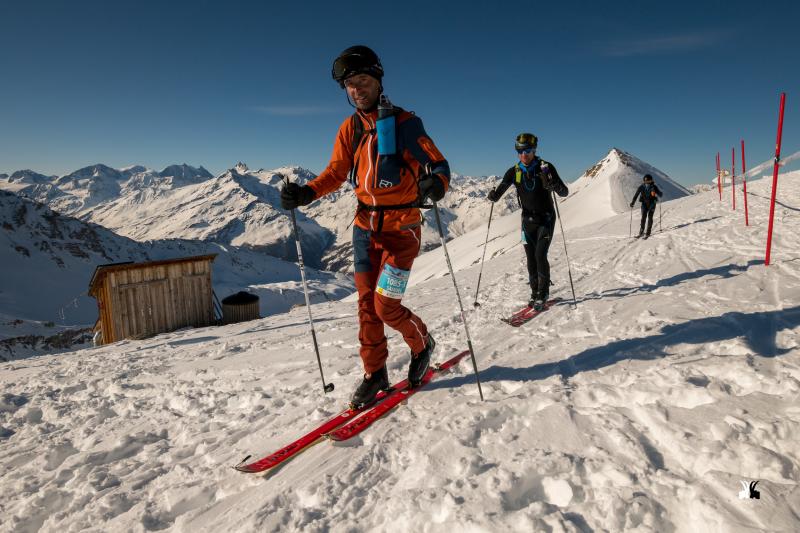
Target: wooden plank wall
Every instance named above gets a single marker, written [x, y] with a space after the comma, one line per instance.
[144, 301]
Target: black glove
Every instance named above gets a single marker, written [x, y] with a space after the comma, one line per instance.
[493, 195]
[631, 204]
[547, 179]
[430, 186]
[294, 195]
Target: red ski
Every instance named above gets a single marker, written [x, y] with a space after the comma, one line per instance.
[527, 313]
[290, 450]
[397, 396]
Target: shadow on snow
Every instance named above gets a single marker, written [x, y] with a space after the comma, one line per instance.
[759, 330]
[721, 272]
[685, 224]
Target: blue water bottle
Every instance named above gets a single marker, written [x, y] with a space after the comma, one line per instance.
[385, 127]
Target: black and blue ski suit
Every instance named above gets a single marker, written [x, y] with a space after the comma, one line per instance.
[534, 184]
[648, 194]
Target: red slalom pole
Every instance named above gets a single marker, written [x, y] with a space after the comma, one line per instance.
[733, 176]
[744, 177]
[719, 180]
[775, 178]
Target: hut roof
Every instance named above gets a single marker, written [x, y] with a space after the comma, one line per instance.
[102, 270]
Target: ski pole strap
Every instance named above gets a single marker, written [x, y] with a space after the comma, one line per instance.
[381, 209]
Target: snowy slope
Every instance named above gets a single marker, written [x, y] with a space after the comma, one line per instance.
[677, 377]
[701, 187]
[606, 189]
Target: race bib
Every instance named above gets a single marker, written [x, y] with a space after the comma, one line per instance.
[393, 282]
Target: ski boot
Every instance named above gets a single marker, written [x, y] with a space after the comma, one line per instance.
[420, 363]
[369, 388]
[541, 296]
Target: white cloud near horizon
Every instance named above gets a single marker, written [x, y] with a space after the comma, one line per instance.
[663, 45]
[294, 110]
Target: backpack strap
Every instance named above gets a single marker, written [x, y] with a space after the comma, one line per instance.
[358, 133]
[358, 130]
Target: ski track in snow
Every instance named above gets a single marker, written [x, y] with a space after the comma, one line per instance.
[676, 377]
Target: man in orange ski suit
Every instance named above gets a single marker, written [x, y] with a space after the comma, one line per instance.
[390, 183]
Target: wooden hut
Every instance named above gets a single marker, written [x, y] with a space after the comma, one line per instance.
[138, 300]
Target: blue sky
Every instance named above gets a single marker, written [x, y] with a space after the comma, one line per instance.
[212, 83]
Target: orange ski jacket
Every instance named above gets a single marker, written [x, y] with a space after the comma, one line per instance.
[386, 186]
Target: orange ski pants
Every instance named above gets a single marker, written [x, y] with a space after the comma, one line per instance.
[382, 265]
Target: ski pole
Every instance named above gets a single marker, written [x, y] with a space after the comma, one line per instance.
[564, 237]
[327, 387]
[480, 272]
[659, 217]
[458, 296]
[630, 225]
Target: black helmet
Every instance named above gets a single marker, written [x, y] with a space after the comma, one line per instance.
[526, 140]
[356, 60]
[647, 177]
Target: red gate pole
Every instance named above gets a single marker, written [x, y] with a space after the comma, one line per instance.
[744, 177]
[733, 176]
[719, 182]
[775, 179]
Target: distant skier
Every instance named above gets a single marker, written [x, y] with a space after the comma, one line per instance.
[535, 180]
[395, 168]
[648, 194]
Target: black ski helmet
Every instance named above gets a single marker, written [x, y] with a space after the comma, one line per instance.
[526, 140]
[647, 177]
[356, 60]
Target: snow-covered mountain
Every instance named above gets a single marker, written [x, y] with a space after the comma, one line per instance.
[32, 185]
[186, 173]
[48, 260]
[23, 178]
[240, 207]
[237, 208]
[645, 408]
[607, 187]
